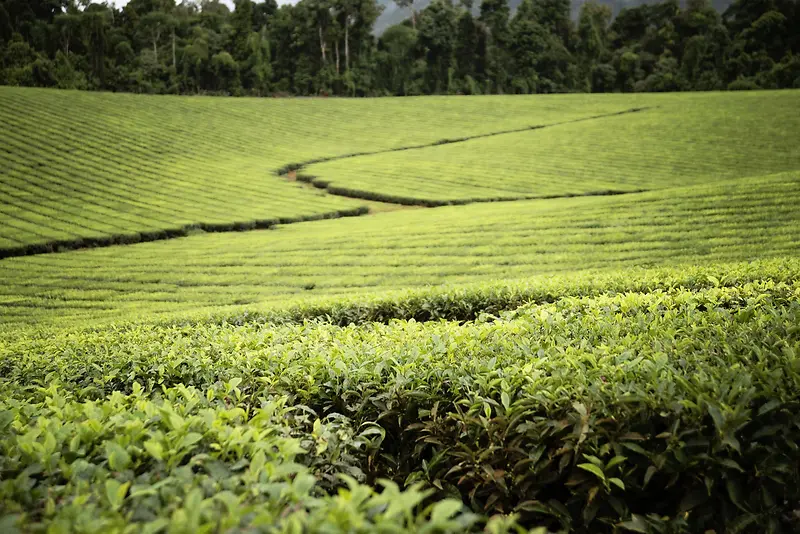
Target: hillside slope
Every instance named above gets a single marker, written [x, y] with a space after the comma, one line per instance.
[675, 140]
[97, 168]
[592, 364]
[727, 221]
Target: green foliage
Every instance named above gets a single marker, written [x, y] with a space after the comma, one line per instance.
[175, 164]
[668, 141]
[668, 410]
[186, 461]
[742, 84]
[731, 220]
[323, 47]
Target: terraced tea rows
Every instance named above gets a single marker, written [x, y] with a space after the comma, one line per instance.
[93, 167]
[732, 220]
[90, 168]
[685, 140]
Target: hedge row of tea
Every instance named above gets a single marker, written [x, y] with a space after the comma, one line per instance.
[671, 409]
[101, 169]
[681, 141]
[477, 301]
[729, 221]
[94, 169]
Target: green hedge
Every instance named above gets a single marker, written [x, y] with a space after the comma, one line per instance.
[671, 410]
[189, 462]
[471, 301]
[168, 233]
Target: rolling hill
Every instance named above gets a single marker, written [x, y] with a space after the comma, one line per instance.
[580, 362]
[665, 142]
[86, 169]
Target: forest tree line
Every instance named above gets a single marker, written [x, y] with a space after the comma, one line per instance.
[327, 47]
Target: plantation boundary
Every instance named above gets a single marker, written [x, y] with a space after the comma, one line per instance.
[285, 171]
[169, 233]
[430, 203]
[299, 166]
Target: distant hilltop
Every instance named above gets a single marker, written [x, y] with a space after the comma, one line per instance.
[394, 14]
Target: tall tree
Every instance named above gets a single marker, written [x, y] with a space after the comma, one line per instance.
[68, 28]
[397, 47]
[554, 16]
[593, 47]
[409, 4]
[470, 51]
[494, 19]
[437, 40]
[154, 26]
[321, 18]
[593, 23]
[96, 24]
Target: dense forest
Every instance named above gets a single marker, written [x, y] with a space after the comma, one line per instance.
[328, 47]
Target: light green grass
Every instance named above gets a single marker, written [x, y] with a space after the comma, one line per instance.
[680, 139]
[90, 166]
[732, 220]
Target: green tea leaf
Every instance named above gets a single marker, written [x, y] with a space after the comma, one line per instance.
[506, 400]
[155, 449]
[115, 492]
[596, 471]
[444, 510]
[617, 482]
[636, 524]
[118, 458]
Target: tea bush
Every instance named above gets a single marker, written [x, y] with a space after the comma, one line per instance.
[670, 410]
[186, 462]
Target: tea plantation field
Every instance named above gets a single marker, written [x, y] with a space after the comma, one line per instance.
[727, 221]
[677, 140]
[96, 169]
[559, 360]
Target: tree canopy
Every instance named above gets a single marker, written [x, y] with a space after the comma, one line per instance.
[321, 47]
